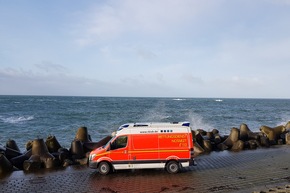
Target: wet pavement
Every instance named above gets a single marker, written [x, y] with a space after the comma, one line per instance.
[261, 170]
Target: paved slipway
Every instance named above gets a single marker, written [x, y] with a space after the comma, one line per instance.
[261, 170]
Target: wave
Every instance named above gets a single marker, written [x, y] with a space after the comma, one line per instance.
[16, 119]
[197, 122]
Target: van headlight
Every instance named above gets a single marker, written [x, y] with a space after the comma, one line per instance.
[92, 156]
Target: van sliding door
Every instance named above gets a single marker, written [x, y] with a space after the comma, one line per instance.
[144, 148]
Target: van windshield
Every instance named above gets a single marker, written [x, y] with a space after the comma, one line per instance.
[108, 143]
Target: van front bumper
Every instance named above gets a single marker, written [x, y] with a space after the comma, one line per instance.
[93, 165]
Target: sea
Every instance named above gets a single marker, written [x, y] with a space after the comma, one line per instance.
[25, 118]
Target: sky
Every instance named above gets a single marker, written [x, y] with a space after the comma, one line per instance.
[146, 48]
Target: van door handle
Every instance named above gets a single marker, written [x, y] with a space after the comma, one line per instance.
[125, 151]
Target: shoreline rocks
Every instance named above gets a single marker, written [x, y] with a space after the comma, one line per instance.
[240, 139]
[48, 154]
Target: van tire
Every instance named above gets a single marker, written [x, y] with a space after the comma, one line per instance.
[172, 167]
[104, 168]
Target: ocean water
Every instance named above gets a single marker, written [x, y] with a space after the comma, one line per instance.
[25, 118]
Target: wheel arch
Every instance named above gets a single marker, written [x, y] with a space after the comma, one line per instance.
[173, 159]
[109, 161]
[170, 163]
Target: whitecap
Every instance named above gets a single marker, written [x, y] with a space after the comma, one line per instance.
[16, 119]
[219, 100]
[178, 99]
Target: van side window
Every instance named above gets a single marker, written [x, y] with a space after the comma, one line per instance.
[120, 142]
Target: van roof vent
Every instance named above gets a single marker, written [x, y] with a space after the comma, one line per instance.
[140, 125]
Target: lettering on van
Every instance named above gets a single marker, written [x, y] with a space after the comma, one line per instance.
[150, 131]
[178, 140]
[172, 136]
[181, 139]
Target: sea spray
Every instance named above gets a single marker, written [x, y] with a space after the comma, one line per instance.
[156, 114]
[197, 122]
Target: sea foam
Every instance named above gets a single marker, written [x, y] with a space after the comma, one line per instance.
[16, 119]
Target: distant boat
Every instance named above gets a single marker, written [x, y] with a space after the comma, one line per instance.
[218, 100]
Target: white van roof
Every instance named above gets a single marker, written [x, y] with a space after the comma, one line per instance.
[154, 127]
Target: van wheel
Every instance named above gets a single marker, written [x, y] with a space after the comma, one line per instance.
[104, 168]
[172, 167]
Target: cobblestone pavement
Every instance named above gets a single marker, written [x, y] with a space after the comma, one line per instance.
[261, 170]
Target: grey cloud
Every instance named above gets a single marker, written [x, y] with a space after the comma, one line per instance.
[192, 79]
[50, 67]
[21, 82]
[14, 81]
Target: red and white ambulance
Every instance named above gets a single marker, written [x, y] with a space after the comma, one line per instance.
[146, 145]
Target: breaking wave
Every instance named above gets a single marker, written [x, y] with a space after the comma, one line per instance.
[16, 119]
[197, 122]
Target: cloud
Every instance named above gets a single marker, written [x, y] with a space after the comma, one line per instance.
[101, 23]
[27, 82]
[242, 82]
[192, 79]
[108, 53]
[19, 81]
[249, 57]
[49, 67]
[147, 17]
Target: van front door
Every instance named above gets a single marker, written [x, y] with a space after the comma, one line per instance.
[119, 152]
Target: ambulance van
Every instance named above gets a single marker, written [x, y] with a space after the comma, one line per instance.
[146, 145]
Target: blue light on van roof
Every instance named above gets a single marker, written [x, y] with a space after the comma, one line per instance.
[186, 124]
[123, 126]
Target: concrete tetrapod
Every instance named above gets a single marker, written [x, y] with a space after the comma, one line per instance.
[287, 126]
[5, 165]
[33, 163]
[39, 148]
[52, 144]
[197, 148]
[89, 146]
[12, 145]
[287, 138]
[19, 160]
[77, 150]
[82, 135]
[232, 138]
[247, 134]
[9, 153]
[238, 145]
[273, 133]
